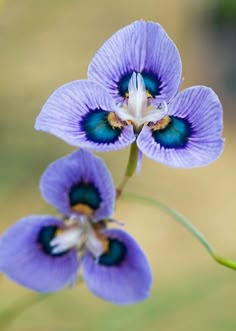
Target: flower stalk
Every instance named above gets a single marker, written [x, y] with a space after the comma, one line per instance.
[185, 223]
[130, 169]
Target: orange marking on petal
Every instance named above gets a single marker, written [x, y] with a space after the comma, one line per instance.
[104, 241]
[161, 124]
[83, 209]
[114, 120]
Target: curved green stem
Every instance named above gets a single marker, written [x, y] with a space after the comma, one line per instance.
[130, 169]
[8, 316]
[183, 221]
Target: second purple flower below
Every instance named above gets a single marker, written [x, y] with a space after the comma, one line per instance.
[44, 253]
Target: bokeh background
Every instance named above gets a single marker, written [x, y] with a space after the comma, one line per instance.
[44, 44]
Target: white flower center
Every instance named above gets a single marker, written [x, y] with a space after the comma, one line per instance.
[139, 109]
[80, 234]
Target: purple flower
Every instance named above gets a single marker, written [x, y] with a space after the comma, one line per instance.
[44, 253]
[132, 94]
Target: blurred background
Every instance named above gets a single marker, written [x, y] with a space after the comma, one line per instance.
[47, 43]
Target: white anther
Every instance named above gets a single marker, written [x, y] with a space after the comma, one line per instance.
[80, 234]
[138, 110]
[67, 240]
[137, 103]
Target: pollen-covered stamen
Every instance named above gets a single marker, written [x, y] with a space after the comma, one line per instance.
[114, 120]
[161, 124]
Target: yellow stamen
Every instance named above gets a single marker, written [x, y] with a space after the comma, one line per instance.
[130, 122]
[114, 120]
[149, 95]
[161, 124]
[59, 232]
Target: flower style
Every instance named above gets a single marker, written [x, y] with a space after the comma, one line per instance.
[44, 252]
[132, 94]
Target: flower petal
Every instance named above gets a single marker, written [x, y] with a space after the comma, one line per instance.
[78, 112]
[79, 182]
[142, 47]
[27, 262]
[122, 275]
[193, 136]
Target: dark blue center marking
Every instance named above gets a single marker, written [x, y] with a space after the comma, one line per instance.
[175, 134]
[123, 85]
[152, 84]
[86, 194]
[45, 236]
[97, 128]
[115, 255]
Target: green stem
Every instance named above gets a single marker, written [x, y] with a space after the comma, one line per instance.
[226, 262]
[130, 169]
[183, 221]
[8, 316]
[133, 159]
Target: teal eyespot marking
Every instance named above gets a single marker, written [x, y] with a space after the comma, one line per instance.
[115, 255]
[97, 128]
[175, 134]
[152, 84]
[86, 194]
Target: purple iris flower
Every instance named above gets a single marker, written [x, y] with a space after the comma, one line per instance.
[132, 94]
[44, 253]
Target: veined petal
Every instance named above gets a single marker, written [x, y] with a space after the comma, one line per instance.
[193, 136]
[122, 275]
[141, 47]
[79, 183]
[25, 258]
[78, 112]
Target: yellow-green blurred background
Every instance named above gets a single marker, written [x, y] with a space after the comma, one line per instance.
[46, 43]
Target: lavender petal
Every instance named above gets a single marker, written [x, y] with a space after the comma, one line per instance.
[142, 47]
[73, 170]
[77, 112]
[23, 259]
[195, 138]
[123, 275]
